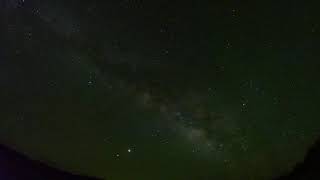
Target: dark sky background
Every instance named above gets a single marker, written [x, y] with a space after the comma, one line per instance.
[167, 89]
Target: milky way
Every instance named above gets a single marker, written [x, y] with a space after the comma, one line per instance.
[160, 90]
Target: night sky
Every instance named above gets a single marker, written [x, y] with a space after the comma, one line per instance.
[161, 89]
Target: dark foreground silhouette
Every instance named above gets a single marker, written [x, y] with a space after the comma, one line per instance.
[309, 169]
[14, 166]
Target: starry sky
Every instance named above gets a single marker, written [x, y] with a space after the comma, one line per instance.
[166, 89]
